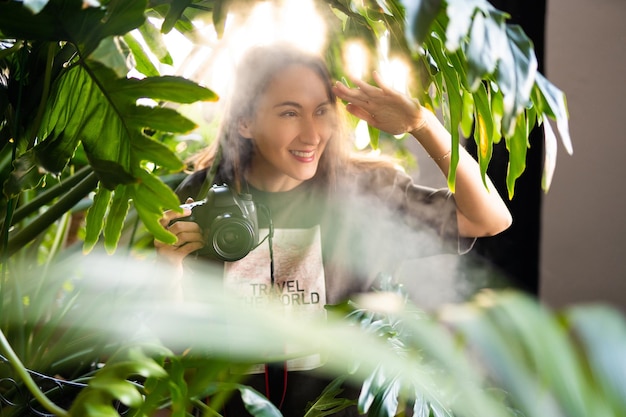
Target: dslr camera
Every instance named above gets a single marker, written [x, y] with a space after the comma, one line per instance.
[228, 221]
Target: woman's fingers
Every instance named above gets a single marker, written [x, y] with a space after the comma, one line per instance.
[189, 237]
[381, 106]
[171, 215]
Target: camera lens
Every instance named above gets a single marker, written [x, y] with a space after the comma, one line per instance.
[233, 238]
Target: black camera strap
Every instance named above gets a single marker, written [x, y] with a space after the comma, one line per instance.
[210, 176]
[270, 239]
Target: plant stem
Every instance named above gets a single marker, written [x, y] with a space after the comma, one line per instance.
[23, 374]
[49, 195]
[65, 203]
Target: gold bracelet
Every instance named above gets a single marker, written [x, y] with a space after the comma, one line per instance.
[442, 157]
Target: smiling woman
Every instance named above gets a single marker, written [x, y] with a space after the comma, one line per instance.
[292, 124]
[335, 219]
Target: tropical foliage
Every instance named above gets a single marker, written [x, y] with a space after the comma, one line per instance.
[90, 122]
[500, 354]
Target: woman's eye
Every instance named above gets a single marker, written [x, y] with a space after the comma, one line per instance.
[289, 114]
[322, 111]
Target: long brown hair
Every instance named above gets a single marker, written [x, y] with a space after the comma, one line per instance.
[254, 73]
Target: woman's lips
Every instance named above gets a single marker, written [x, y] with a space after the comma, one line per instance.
[304, 156]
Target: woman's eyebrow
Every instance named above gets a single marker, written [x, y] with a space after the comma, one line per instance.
[288, 103]
[298, 105]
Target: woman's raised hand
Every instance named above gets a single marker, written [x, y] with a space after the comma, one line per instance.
[381, 106]
[188, 236]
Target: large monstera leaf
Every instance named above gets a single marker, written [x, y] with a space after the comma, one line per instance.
[93, 107]
[88, 103]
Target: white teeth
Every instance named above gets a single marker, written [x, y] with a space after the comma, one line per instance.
[302, 154]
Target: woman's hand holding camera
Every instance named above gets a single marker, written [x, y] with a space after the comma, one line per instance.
[188, 234]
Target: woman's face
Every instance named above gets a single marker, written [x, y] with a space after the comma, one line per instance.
[293, 122]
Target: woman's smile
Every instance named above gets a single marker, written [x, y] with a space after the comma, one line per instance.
[304, 156]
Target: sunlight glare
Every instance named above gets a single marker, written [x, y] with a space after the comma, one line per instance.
[361, 135]
[292, 21]
[393, 71]
[355, 58]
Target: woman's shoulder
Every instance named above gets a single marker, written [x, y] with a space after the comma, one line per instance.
[375, 174]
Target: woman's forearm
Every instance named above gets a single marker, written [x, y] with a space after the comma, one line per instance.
[481, 210]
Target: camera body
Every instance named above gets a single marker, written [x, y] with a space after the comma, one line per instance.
[228, 221]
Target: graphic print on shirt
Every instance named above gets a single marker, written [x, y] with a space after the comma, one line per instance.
[299, 284]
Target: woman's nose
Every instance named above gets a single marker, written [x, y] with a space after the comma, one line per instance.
[311, 132]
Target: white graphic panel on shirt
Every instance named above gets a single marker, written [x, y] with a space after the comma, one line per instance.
[299, 284]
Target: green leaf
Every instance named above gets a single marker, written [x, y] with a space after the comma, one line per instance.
[485, 47]
[420, 16]
[603, 346]
[517, 145]
[65, 203]
[137, 365]
[147, 149]
[95, 217]
[93, 404]
[161, 192]
[374, 135]
[459, 62]
[517, 70]
[550, 100]
[256, 404]
[115, 217]
[379, 394]
[484, 130]
[177, 7]
[80, 110]
[551, 354]
[115, 54]
[453, 90]
[122, 16]
[150, 218]
[159, 118]
[329, 403]
[178, 388]
[55, 151]
[121, 390]
[467, 116]
[169, 88]
[109, 123]
[460, 13]
[497, 111]
[143, 64]
[24, 176]
[220, 12]
[550, 151]
[504, 360]
[154, 40]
